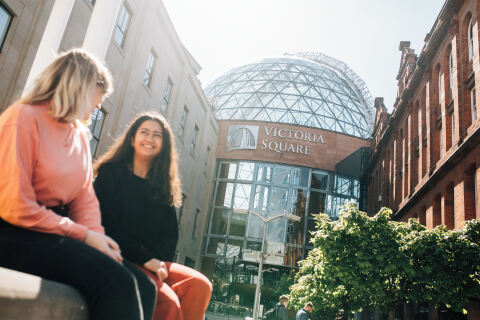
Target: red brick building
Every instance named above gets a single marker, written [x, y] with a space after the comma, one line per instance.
[426, 154]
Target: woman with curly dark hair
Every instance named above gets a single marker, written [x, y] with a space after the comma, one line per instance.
[138, 187]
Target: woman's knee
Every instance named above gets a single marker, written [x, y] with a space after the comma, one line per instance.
[202, 285]
[168, 300]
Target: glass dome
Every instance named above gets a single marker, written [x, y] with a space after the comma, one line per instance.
[308, 89]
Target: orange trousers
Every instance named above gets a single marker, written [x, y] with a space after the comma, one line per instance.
[184, 295]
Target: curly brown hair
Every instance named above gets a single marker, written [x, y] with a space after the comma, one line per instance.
[163, 177]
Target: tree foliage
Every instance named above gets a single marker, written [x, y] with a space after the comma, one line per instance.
[373, 262]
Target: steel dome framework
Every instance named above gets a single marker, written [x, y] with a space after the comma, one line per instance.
[308, 89]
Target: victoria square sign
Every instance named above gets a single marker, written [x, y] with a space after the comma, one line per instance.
[275, 139]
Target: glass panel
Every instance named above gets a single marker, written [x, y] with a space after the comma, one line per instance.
[264, 173]
[260, 201]
[319, 180]
[227, 170]
[255, 227]
[98, 127]
[245, 171]
[316, 203]
[300, 177]
[254, 245]
[224, 194]
[97, 118]
[276, 230]
[344, 186]
[279, 200]
[356, 188]
[118, 36]
[219, 221]
[216, 246]
[242, 196]
[295, 232]
[238, 223]
[335, 204]
[281, 175]
[93, 146]
[298, 202]
[234, 248]
[122, 25]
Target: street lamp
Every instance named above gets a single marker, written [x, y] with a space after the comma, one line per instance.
[260, 266]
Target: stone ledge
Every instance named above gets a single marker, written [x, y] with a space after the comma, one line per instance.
[24, 296]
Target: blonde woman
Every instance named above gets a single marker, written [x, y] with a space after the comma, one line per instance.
[49, 214]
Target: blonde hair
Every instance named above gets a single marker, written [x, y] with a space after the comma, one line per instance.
[68, 83]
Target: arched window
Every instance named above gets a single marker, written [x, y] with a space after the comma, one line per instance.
[450, 72]
[441, 141]
[439, 85]
[473, 104]
[470, 40]
[419, 121]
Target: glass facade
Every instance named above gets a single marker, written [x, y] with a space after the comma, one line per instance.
[311, 90]
[234, 237]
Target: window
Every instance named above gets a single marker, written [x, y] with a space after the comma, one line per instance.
[470, 40]
[97, 118]
[452, 119]
[147, 79]
[441, 140]
[166, 96]
[473, 104]
[183, 122]
[439, 86]
[207, 155]
[475, 190]
[194, 138]
[122, 26]
[197, 212]
[419, 122]
[189, 262]
[180, 210]
[450, 69]
[5, 21]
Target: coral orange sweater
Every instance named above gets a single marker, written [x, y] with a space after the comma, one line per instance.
[46, 163]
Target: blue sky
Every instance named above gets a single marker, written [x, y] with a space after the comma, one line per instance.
[365, 34]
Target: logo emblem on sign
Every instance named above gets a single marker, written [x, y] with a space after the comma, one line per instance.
[241, 137]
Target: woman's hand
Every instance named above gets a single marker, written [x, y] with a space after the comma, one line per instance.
[157, 266]
[104, 244]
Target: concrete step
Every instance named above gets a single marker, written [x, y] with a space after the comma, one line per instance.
[24, 296]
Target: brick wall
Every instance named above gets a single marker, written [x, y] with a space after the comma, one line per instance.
[430, 167]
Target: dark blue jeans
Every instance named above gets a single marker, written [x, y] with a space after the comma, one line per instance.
[111, 290]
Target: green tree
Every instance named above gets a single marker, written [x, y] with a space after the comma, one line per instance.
[372, 262]
[447, 266]
[357, 262]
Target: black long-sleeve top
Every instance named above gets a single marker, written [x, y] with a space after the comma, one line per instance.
[143, 229]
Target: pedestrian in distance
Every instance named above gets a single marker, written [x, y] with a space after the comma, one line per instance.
[340, 315]
[138, 187]
[279, 312]
[49, 214]
[303, 313]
